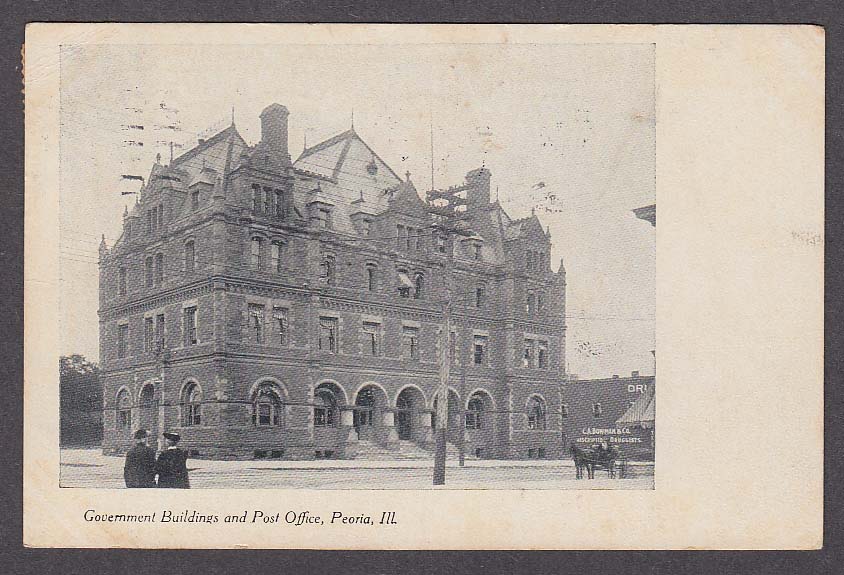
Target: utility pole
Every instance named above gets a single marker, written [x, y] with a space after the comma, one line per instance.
[447, 217]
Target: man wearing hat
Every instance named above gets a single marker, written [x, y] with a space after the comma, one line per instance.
[139, 469]
[172, 466]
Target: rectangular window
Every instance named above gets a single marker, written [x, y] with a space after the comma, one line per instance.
[256, 323]
[122, 339]
[159, 332]
[327, 272]
[408, 242]
[410, 342]
[527, 360]
[190, 326]
[159, 269]
[371, 332]
[125, 419]
[190, 257]
[122, 281]
[148, 272]
[275, 257]
[279, 204]
[324, 219]
[194, 199]
[477, 252]
[480, 297]
[269, 197]
[400, 235]
[328, 334]
[542, 356]
[161, 216]
[256, 198]
[441, 244]
[280, 322]
[257, 247]
[480, 343]
[366, 226]
[564, 410]
[149, 334]
[149, 221]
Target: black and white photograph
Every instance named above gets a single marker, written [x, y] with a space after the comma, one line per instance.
[376, 267]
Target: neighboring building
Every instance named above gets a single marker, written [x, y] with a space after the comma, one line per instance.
[647, 213]
[592, 407]
[268, 308]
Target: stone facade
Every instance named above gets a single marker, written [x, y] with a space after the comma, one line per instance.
[262, 307]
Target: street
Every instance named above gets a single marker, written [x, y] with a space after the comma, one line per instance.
[91, 469]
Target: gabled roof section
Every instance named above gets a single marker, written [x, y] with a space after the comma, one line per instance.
[405, 199]
[523, 227]
[331, 157]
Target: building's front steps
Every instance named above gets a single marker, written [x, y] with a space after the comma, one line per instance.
[397, 450]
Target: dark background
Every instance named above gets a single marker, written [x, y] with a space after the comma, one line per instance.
[15, 559]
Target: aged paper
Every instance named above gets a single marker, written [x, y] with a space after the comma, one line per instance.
[296, 431]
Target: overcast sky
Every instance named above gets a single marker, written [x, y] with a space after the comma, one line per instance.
[577, 118]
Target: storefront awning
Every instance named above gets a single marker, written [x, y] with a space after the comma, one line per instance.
[642, 411]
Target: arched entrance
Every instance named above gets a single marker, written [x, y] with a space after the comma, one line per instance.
[148, 412]
[408, 404]
[370, 401]
[480, 424]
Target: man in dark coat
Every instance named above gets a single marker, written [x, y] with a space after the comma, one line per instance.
[172, 466]
[139, 469]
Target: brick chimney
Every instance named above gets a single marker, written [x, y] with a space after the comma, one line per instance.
[478, 182]
[274, 133]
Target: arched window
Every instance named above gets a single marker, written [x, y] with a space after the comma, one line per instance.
[124, 411]
[371, 277]
[530, 306]
[275, 256]
[325, 408]
[536, 413]
[418, 285]
[159, 269]
[279, 204]
[564, 410]
[266, 406]
[473, 413]
[192, 405]
[257, 248]
[190, 257]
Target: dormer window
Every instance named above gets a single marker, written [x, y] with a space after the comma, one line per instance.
[477, 251]
[323, 218]
[194, 200]
[372, 168]
[405, 285]
[366, 226]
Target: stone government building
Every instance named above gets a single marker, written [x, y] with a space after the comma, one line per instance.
[262, 307]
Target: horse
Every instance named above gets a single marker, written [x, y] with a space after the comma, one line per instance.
[581, 461]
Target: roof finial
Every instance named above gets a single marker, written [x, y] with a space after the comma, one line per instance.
[533, 211]
[353, 119]
[305, 138]
[496, 193]
[407, 175]
[232, 114]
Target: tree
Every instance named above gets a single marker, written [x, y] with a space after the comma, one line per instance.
[80, 401]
